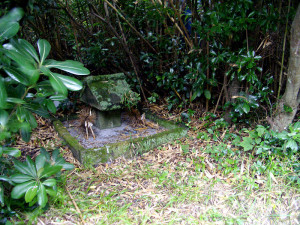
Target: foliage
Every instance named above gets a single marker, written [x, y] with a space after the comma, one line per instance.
[30, 182]
[25, 88]
[273, 152]
[28, 85]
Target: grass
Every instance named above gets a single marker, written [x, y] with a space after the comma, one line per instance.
[165, 187]
[191, 181]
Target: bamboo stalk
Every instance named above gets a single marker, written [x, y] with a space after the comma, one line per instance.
[132, 27]
[283, 50]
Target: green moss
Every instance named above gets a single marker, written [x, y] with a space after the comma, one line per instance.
[105, 92]
[128, 149]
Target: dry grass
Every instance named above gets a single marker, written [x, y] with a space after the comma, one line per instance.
[166, 186]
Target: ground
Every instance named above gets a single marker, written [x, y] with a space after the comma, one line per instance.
[177, 183]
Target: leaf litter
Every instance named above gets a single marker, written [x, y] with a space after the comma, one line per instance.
[165, 186]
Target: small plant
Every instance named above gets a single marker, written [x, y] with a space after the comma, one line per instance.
[31, 180]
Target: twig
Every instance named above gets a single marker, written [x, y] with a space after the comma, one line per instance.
[76, 207]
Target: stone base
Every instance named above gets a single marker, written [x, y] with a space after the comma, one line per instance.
[108, 119]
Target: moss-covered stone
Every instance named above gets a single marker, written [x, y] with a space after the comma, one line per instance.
[128, 149]
[106, 92]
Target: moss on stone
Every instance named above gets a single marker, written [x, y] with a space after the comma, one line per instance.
[105, 92]
[128, 148]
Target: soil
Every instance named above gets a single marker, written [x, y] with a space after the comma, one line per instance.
[130, 128]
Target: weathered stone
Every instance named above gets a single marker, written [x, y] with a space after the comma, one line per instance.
[128, 149]
[107, 93]
[108, 119]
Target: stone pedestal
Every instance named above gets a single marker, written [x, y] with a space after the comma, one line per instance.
[106, 94]
[108, 119]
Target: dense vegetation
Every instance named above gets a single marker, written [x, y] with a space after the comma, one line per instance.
[225, 57]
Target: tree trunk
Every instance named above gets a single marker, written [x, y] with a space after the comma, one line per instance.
[288, 104]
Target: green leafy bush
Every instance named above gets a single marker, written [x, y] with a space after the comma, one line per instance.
[28, 85]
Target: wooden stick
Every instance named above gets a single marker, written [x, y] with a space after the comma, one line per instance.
[75, 205]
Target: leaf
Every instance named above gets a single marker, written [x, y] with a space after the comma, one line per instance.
[55, 82]
[8, 30]
[19, 190]
[207, 94]
[247, 143]
[58, 98]
[69, 66]
[42, 196]
[14, 15]
[16, 100]
[40, 162]
[70, 82]
[3, 94]
[31, 166]
[12, 151]
[4, 116]
[25, 131]
[29, 48]
[50, 182]
[246, 108]
[20, 48]
[44, 49]
[292, 144]
[31, 193]
[51, 192]
[260, 130]
[50, 106]
[21, 178]
[50, 170]
[18, 58]
[22, 168]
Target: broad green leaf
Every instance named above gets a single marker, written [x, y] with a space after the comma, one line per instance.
[207, 94]
[44, 49]
[20, 48]
[69, 66]
[14, 15]
[4, 116]
[19, 190]
[292, 144]
[5, 178]
[70, 82]
[1, 151]
[260, 130]
[247, 144]
[42, 196]
[246, 108]
[21, 178]
[40, 162]
[16, 100]
[50, 106]
[51, 192]
[31, 193]
[32, 73]
[31, 120]
[22, 168]
[58, 98]
[18, 58]
[58, 85]
[8, 30]
[25, 130]
[55, 82]
[20, 112]
[29, 48]
[12, 151]
[16, 75]
[31, 166]
[50, 170]
[50, 182]
[3, 94]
